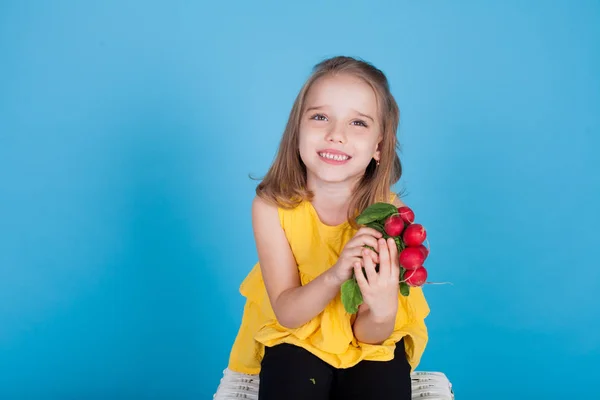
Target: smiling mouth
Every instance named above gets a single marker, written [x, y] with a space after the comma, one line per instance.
[334, 156]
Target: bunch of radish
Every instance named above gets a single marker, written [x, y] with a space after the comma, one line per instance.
[399, 224]
[410, 238]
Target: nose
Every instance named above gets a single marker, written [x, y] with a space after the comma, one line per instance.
[336, 134]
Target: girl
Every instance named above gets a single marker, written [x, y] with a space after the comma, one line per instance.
[336, 157]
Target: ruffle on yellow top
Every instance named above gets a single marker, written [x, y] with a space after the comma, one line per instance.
[329, 335]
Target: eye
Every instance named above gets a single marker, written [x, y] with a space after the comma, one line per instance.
[360, 123]
[319, 117]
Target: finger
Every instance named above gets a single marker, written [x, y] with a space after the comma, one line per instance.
[374, 256]
[384, 259]
[350, 261]
[360, 278]
[369, 231]
[369, 267]
[394, 261]
[355, 252]
[358, 252]
[362, 240]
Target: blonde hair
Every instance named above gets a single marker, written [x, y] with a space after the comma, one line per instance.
[285, 182]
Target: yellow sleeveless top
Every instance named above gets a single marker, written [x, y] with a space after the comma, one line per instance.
[329, 335]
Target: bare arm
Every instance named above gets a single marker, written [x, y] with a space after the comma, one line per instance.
[371, 329]
[293, 304]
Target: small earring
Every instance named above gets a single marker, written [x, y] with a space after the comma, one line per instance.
[377, 162]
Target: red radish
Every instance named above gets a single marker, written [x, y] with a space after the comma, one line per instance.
[407, 214]
[416, 277]
[424, 250]
[411, 258]
[394, 225]
[414, 235]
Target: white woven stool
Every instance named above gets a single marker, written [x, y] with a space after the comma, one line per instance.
[425, 385]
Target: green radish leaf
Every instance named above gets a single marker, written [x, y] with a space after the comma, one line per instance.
[376, 212]
[351, 295]
[404, 288]
[378, 226]
[399, 244]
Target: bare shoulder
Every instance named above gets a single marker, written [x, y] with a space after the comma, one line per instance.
[263, 209]
[265, 222]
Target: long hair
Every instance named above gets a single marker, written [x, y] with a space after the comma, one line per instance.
[285, 182]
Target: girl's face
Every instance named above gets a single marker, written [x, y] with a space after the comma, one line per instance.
[339, 130]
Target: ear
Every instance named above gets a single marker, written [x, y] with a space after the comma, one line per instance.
[377, 155]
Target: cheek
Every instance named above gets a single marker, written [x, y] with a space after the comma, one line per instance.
[307, 138]
[368, 146]
[305, 145]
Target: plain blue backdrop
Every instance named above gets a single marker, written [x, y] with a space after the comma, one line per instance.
[128, 130]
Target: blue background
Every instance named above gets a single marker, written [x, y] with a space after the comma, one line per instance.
[128, 130]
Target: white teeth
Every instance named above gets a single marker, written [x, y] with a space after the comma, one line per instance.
[337, 157]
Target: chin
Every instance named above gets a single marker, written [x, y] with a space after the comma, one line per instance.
[332, 176]
[327, 173]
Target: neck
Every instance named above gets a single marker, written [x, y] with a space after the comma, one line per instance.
[338, 193]
[331, 200]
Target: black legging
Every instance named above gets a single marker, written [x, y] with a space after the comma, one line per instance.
[292, 373]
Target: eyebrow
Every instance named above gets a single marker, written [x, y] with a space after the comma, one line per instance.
[359, 113]
[366, 116]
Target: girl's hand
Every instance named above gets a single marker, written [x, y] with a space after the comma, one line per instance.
[354, 253]
[380, 289]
